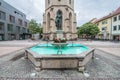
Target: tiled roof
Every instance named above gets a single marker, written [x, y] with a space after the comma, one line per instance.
[110, 15]
[93, 20]
[116, 12]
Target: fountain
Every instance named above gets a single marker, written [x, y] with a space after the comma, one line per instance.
[59, 54]
[72, 56]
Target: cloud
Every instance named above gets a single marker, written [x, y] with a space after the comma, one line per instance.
[85, 9]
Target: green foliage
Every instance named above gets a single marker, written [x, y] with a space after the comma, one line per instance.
[34, 27]
[88, 29]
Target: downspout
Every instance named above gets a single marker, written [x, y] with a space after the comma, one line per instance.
[111, 31]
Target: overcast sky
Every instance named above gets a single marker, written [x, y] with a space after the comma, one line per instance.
[85, 9]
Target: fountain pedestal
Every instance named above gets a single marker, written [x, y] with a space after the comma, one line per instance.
[59, 37]
[59, 34]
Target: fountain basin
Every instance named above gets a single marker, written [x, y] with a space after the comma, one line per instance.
[48, 59]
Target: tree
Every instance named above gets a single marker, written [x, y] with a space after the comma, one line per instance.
[34, 27]
[89, 29]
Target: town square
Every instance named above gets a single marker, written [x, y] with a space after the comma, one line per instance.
[59, 40]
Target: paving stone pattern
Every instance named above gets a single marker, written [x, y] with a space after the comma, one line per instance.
[102, 66]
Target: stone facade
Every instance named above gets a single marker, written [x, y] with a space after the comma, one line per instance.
[68, 18]
[75, 61]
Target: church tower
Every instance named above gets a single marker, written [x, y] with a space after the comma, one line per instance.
[68, 24]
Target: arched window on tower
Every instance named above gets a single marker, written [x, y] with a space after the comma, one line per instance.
[48, 22]
[48, 1]
[70, 22]
[69, 1]
[59, 0]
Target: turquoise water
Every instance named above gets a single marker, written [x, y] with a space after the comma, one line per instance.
[69, 49]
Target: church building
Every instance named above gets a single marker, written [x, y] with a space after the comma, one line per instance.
[61, 11]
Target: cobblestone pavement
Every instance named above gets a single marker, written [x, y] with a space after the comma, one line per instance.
[29, 43]
[8, 47]
[103, 66]
[114, 51]
[100, 44]
[19, 43]
[8, 50]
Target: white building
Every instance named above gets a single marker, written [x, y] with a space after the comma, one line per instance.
[110, 26]
[116, 25]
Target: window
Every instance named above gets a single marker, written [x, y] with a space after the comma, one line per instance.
[114, 28]
[23, 30]
[2, 15]
[119, 27]
[48, 1]
[12, 19]
[115, 19]
[1, 37]
[98, 24]
[104, 28]
[119, 17]
[104, 22]
[69, 1]
[18, 28]
[25, 23]
[59, 0]
[1, 26]
[28, 30]
[18, 13]
[0, 3]
[20, 22]
[10, 27]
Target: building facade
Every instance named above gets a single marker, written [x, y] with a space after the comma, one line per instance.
[13, 23]
[104, 24]
[109, 26]
[66, 7]
[116, 25]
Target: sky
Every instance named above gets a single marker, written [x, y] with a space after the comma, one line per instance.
[84, 9]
